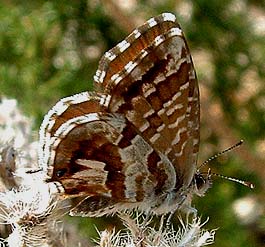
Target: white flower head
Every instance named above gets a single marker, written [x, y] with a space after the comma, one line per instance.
[31, 211]
[139, 232]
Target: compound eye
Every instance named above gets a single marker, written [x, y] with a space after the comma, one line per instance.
[199, 180]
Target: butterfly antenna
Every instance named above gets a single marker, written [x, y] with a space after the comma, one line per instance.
[245, 183]
[221, 153]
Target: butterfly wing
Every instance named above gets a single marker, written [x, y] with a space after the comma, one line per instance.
[152, 82]
[85, 155]
[136, 139]
[65, 110]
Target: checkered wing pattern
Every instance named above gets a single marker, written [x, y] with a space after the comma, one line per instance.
[152, 82]
[134, 142]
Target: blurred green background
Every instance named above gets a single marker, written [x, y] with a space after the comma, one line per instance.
[50, 49]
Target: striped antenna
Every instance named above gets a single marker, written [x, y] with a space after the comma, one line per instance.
[221, 153]
[245, 183]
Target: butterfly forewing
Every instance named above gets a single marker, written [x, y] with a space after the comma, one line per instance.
[126, 51]
[156, 89]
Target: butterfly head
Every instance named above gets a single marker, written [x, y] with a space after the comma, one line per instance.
[202, 182]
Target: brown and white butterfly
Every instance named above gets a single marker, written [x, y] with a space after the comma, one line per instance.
[133, 143]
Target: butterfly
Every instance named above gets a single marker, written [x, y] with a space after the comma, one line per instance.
[133, 142]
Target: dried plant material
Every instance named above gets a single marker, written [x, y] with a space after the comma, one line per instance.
[140, 232]
[32, 212]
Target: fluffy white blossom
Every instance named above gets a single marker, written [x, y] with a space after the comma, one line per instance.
[142, 233]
